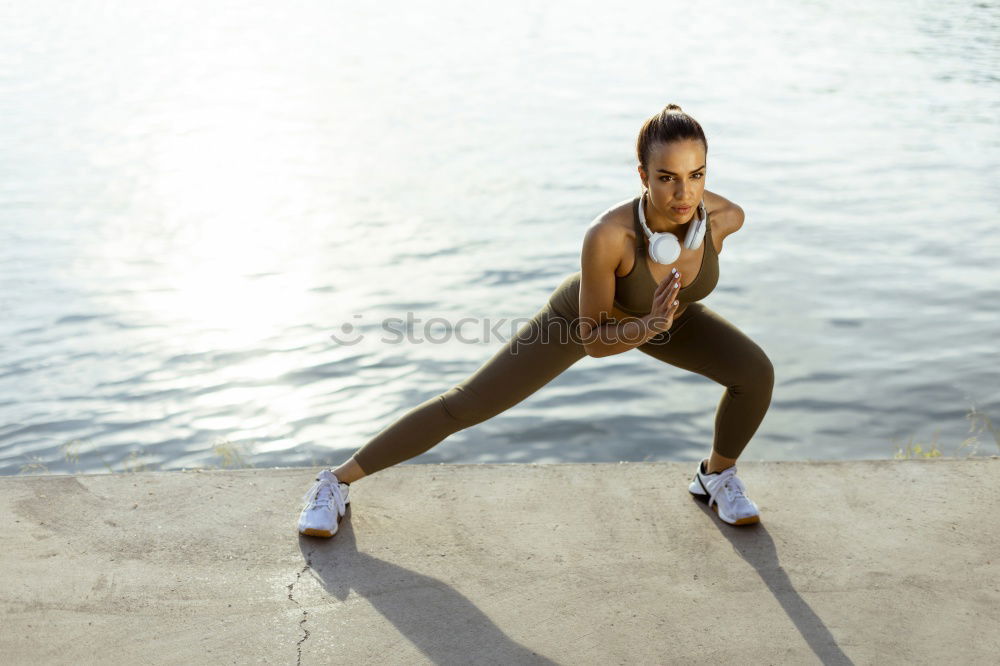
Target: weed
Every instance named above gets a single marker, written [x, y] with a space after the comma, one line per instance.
[978, 422]
[132, 464]
[230, 455]
[917, 451]
[71, 451]
[35, 465]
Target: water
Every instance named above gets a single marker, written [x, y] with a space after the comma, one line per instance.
[193, 199]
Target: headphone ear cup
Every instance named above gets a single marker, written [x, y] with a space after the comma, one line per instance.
[664, 248]
[696, 232]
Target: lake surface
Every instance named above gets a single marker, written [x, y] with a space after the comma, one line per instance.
[194, 199]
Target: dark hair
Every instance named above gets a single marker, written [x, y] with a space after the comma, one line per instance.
[670, 124]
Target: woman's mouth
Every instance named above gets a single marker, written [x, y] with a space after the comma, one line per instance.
[682, 209]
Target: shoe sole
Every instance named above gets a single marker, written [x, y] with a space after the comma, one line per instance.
[749, 520]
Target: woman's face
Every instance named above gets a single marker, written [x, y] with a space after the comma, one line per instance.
[676, 178]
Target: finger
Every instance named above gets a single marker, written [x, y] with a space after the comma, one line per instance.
[664, 300]
[670, 288]
[670, 293]
[666, 309]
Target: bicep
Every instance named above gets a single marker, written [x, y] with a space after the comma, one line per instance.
[598, 261]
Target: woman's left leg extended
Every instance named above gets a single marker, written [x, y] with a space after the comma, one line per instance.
[704, 342]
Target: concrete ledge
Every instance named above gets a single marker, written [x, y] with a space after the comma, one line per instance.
[891, 561]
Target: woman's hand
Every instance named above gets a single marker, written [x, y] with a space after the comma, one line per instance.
[665, 304]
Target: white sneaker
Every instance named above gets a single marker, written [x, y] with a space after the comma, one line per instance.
[726, 494]
[326, 503]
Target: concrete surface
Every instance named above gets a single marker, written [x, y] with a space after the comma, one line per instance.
[867, 562]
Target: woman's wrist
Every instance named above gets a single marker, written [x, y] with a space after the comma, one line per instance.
[655, 326]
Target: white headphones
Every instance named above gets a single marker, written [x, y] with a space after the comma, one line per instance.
[664, 247]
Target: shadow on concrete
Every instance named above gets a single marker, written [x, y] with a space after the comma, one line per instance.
[755, 545]
[441, 622]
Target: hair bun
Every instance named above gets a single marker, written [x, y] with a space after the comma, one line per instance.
[667, 125]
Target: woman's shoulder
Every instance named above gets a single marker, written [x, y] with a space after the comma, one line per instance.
[725, 215]
[615, 219]
[607, 236]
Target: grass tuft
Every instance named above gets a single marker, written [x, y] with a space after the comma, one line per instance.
[978, 423]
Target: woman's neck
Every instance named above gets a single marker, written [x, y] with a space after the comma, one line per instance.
[659, 223]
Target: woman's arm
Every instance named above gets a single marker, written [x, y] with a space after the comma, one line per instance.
[727, 216]
[602, 335]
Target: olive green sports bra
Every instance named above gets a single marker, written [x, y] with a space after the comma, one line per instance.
[634, 291]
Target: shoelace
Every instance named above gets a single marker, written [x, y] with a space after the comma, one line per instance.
[731, 483]
[323, 493]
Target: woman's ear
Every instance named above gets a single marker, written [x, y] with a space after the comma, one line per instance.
[642, 176]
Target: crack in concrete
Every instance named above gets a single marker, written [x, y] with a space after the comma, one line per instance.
[305, 613]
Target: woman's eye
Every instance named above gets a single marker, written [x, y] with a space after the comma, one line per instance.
[699, 176]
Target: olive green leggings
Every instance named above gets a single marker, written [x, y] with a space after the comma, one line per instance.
[699, 340]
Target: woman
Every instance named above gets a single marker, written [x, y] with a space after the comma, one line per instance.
[645, 264]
